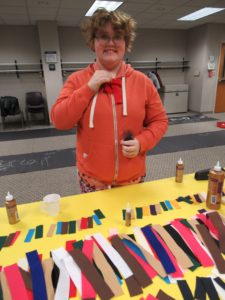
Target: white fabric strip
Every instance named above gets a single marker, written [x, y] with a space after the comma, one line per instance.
[140, 238]
[23, 264]
[74, 272]
[91, 120]
[124, 96]
[218, 288]
[114, 256]
[63, 286]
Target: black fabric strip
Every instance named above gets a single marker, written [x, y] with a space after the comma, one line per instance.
[185, 290]
[220, 282]
[200, 292]
[210, 288]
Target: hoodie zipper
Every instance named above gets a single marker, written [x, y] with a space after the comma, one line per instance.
[115, 140]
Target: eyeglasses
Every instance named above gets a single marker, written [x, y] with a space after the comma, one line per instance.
[105, 39]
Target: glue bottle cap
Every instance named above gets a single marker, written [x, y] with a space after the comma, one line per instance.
[217, 167]
[128, 209]
[180, 161]
[9, 197]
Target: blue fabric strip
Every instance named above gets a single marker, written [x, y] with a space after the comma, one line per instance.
[168, 204]
[37, 275]
[159, 250]
[96, 219]
[29, 236]
[133, 247]
[59, 228]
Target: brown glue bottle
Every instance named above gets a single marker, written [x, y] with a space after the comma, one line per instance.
[215, 187]
[179, 171]
[11, 209]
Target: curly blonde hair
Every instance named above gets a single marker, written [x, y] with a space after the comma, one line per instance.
[120, 21]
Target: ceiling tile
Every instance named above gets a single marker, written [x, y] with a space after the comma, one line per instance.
[43, 3]
[76, 4]
[12, 3]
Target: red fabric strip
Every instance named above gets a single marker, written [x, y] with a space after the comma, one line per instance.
[193, 244]
[84, 223]
[17, 233]
[73, 291]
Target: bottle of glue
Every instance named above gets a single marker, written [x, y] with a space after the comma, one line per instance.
[215, 187]
[179, 171]
[11, 209]
[128, 215]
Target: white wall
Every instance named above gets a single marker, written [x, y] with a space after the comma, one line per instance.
[20, 43]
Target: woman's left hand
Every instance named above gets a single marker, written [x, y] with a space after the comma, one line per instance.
[130, 148]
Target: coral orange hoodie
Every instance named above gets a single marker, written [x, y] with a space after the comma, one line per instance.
[101, 123]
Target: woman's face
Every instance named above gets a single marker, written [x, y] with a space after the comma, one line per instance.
[110, 47]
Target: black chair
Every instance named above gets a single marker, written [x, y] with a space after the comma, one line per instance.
[35, 104]
[10, 107]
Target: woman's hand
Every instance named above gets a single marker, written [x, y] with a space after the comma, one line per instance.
[130, 148]
[99, 77]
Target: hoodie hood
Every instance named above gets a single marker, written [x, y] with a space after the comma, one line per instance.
[125, 71]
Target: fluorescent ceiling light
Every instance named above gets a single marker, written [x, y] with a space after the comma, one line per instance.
[109, 5]
[201, 13]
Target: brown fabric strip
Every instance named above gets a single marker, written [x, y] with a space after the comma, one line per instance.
[133, 286]
[90, 222]
[64, 227]
[9, 239]
[218, 223]
[5, 288]
[139, 273]
[47, 265]
[51, 230]
[26, 278]
[212, 247]
[182, 258]
[89, 271]
[106, 270]
[158, 208]
[156, 264]
[163, 296]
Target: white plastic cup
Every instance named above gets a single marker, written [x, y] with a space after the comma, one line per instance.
[50, 204]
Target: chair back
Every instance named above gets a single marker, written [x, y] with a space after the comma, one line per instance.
[9, 106]
[34, 99]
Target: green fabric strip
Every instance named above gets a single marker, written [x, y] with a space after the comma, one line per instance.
[72, 227]
[78, 244]
[139, 212]
[2, 241]
[1, 296]
[39, 232]
[164, 207]
[99, 213]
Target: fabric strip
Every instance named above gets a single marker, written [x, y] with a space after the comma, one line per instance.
[29, 235]
[99, 213]
[146, 211]
[15, 282]
[39, 232]
[153, 210]
[213, 249]
[158, 248]
[9, 239]
[158, 208]
[210, 289]
[69, 246]
[83, 223]
[5, 287]
[195, 246]
[183, 260]
[47, 265]
[51, 230]
[217, 222]
[92, 274]
[139, 273]
[164, 207]
[163, 296]
[59, 228]
[139, 212]
[185, 290]
[168, 204]
[65, 226]
[39, 288]
[106, 270]
[89, 222]
[88, 291]
[72, 227]
[175, 204]
[26, 278]
[96, 219]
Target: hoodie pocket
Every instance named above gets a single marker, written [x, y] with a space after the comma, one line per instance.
[100, 161]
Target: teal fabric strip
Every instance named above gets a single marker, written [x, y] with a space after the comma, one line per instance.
[99, 213]
[168, 204]
[164, 207]
[139, 212]
[29, 235]
[39, 232]
[96, 219]
[78, 244]
[124, 213]
[72, 227]
[2, 241]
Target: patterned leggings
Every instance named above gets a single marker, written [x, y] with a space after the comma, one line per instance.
[88, 184]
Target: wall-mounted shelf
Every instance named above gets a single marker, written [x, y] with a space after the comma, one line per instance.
[69, 67]
[20, 68]
[159, 65]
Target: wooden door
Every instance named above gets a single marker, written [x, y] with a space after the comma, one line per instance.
[220, 94]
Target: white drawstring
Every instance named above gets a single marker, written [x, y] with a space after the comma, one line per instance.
[124, 96]
[91, 120]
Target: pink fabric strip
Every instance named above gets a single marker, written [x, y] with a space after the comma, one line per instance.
[193, 244]
[209, 224]
[178, 273]
[150, 297]
[148, 269]
[87, 289]
[16, 284]
[15, 237]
